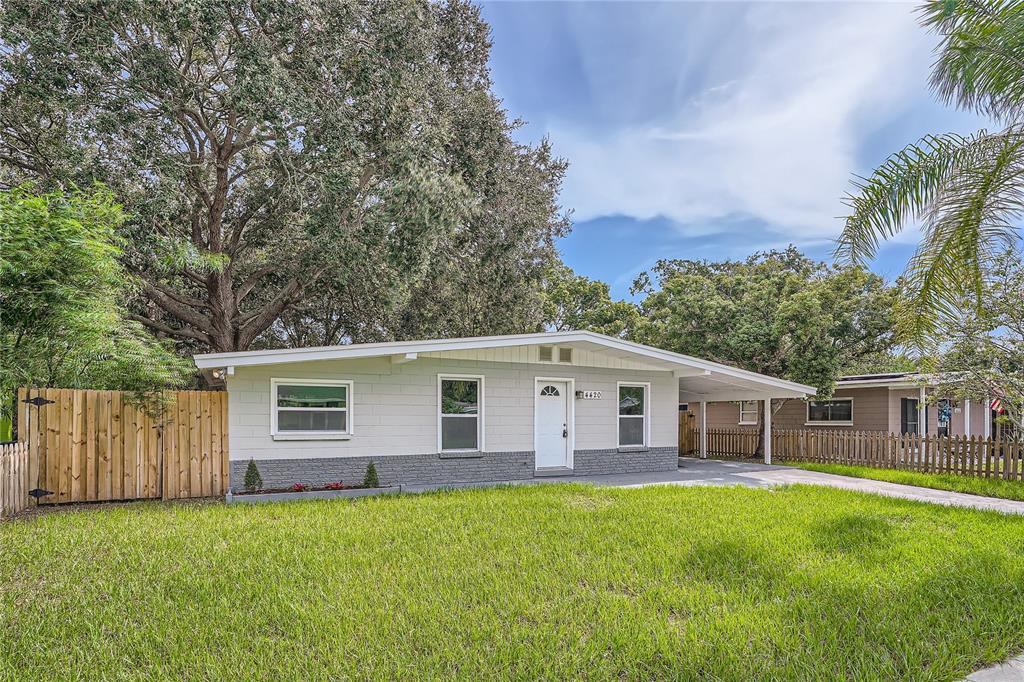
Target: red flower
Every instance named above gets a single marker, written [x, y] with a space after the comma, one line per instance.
[336, 485]
[298, 487]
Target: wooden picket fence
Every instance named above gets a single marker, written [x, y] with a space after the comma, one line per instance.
[974, 456]
[99, 445]
[982, 457]
[14, 479]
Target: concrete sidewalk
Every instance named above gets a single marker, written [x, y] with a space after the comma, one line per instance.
[721, 472]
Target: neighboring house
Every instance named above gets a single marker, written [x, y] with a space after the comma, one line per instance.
[871, 402]
[463, 410]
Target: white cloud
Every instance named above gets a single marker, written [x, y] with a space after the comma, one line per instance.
[771, 103]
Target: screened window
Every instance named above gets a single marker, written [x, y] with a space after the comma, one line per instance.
[748, 412]
[302, 407]
[460, 412]
[632, 415]
[837, 411]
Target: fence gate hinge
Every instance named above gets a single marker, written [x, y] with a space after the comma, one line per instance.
[38, 401]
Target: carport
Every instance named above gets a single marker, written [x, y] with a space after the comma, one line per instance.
[729, 384]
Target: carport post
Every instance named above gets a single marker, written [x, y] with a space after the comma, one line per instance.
[767, 430]
[922, 413]
[703, 430]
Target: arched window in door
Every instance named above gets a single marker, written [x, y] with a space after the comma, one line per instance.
[549, 391]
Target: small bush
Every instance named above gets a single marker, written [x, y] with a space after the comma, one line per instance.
[370, 480]
[299, 487]
[253, 480]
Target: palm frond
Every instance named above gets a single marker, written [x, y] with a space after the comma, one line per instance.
[969, 223]
[905, 185]
[980, 63]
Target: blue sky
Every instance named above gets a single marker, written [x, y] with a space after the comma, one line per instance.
[714, 129]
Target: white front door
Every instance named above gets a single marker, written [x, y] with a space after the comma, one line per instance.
[552, 423]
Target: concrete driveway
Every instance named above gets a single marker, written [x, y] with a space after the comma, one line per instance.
[720, 472]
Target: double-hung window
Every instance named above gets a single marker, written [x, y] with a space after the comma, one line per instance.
[310, 408]
[748, 412]
[632, 415]
[834, 412]
[460, 413]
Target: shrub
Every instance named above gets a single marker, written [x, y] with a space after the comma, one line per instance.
[253, 480]
[370, 480]
[336, 485]
[299, 487]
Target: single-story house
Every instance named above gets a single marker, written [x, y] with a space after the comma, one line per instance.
[463, 410]
[895, 402]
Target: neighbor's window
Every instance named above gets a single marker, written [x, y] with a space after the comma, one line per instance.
[748, 412]
[460, 401]
[836, 411]
[305, 407]
[632, 415]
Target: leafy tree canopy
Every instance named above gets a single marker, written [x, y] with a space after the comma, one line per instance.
[62, 293]
[777, 312]
[294, 170]
[573, 301]
[982, 356]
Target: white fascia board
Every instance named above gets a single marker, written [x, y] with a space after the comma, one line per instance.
[871, 383]
[271, 357]
[735, 396]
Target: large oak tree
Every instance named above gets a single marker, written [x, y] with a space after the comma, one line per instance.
[777, 312]
[287, 159]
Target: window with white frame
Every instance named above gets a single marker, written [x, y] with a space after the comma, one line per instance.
[311, 407]
[460, 411]
[632, 415]
[837, 411]
[748, 412]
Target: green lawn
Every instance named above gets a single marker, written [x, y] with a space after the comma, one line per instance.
[553, 582]
[989, 487]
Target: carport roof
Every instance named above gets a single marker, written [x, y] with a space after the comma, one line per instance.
[698, 379]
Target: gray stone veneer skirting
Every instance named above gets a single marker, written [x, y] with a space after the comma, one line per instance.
[440, 469]
[593, 462]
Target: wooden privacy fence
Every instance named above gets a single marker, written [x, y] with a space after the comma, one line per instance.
[14, 478]
[99, 445]
[722, 443]
[984, 457]
[687, 432]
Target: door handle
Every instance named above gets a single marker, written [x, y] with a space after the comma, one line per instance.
[565, 431]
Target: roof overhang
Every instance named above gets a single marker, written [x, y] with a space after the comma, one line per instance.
[697, 377]
[901, 382]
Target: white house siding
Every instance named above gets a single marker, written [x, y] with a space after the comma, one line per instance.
[394, 416]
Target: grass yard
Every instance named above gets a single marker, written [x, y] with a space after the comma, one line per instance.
[989, 487]
[549, 581]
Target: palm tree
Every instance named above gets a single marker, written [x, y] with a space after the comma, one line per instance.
[966, 192]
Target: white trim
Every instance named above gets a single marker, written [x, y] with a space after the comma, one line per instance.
[741, 422]
[479, 413]
[646, 385]
[365, 350]
[570, 406]
[313, 435]
[768, 430]
[703, 429]
[835, 398]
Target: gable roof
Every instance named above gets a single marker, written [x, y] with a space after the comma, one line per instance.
[683, 365]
